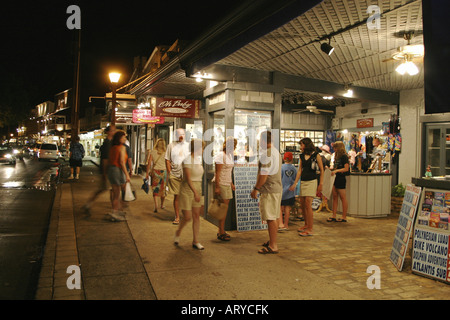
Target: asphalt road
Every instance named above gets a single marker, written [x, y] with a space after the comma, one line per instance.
[26, 197]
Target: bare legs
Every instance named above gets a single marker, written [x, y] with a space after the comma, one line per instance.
[187, 216]
[342, 194]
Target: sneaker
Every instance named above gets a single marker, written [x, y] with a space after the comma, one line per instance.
[198, 246]
[115, 217]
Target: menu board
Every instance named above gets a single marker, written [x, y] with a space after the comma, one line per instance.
[247, 209]
[431, 256]
[405, 225]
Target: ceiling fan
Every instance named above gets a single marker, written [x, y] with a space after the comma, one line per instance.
[409, 51]
[312, 109]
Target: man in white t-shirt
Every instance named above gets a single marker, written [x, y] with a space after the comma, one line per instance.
[175, 154]
[268, 184]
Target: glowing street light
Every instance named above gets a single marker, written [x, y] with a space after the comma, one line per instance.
[114, 78]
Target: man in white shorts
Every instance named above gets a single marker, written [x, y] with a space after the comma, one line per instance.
[175, 154]
[268, 184]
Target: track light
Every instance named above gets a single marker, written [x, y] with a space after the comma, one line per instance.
[327, 48]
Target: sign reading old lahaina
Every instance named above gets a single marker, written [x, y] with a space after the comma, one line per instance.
[178, 108]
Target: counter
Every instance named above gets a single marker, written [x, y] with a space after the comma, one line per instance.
[368, 195]
[435, 183]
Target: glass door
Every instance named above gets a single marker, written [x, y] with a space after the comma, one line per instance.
[437, 152]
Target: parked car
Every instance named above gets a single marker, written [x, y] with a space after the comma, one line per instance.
[48, 151]
[7, 155]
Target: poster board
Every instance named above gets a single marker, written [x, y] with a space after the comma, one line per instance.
[405, 225]
[431, 256]
[248, 217]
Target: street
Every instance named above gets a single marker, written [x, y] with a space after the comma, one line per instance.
[26, 198]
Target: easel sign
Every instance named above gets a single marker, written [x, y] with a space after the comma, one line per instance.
[247, 209]
[431, 250]
[405, 225]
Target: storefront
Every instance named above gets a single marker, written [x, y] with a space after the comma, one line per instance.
[373, 142]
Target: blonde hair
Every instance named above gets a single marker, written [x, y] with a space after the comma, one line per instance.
[339, 148]
[160, 145]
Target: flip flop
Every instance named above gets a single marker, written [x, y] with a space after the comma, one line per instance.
[267, 250]
[176, 222]
[331, 219]
[341, 220]
[305, 234]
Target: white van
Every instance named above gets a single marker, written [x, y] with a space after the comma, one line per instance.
[48, 151]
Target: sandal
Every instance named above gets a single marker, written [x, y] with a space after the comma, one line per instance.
[265, 244]
[224, 237]
[267, 250]
[305, 234]
[176, 221]
[331, 219]
[341, 220]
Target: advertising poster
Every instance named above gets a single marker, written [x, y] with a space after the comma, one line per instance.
[431, 256]
[248, 217]
[405, 225]
[178, 108]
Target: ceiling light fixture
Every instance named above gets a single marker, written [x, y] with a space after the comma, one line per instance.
[408, 67]
[348, 92]
[327, 48]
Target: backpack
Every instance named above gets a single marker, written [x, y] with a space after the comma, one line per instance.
[77, 151]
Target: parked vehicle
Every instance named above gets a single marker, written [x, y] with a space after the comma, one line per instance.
[7, 155]
[48, 151]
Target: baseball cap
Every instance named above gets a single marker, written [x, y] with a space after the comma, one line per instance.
[288, 156]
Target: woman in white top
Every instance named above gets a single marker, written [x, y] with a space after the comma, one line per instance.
[157, 163]
[191, 199]
[224, 163]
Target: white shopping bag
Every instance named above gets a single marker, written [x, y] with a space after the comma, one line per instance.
[328, 181]
[129, 194]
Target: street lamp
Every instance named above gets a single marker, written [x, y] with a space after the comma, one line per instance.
[114, 78]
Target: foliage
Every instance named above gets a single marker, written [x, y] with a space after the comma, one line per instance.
[398, 190]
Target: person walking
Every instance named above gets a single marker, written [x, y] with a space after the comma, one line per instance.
[104, 161]
[340, 167]
[224, 187]
[175, 154]
[268, 184]
[76, 156]
[191, 199]
[117, 173]
[288, 175]
[156, 170]
[309, 187]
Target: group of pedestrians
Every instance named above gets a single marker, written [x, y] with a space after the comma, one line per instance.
[179, 166]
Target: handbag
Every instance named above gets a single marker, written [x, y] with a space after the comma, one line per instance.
[130, 195]
[217, 209]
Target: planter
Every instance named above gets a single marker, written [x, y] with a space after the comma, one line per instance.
[396, 204]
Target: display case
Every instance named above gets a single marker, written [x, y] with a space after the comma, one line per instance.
[290, 141]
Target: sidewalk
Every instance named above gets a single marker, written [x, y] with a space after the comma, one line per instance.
[137, 260]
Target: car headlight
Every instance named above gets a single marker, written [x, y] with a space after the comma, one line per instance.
[8, 155]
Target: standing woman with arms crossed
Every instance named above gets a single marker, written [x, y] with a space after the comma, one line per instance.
[308, 187]
[191, 199]
[117, 172]
[157, 163]
[224, 186]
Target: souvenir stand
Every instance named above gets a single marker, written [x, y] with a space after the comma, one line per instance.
[371, 154]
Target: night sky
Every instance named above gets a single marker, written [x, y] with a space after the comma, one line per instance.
[37, 47]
